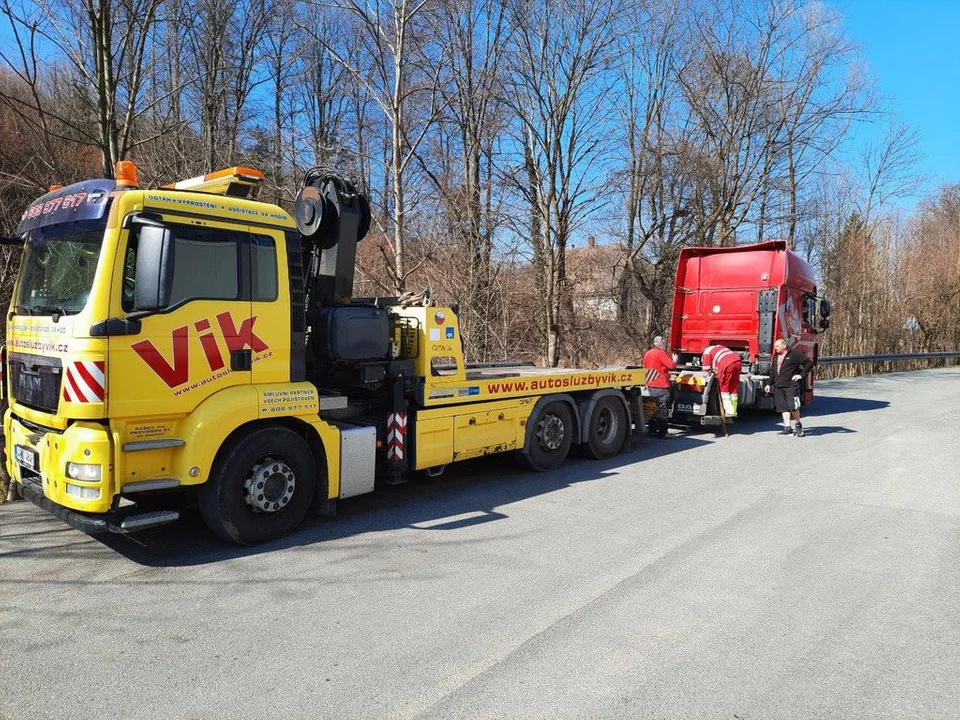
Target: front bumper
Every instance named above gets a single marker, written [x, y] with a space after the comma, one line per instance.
[120, 521]
[47, 485]
[51, 450]
[85, 523]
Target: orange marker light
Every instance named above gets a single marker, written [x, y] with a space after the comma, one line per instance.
[126, 174]
[54, 188]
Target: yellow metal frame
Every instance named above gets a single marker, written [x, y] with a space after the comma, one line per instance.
[440, 342]
[468, 414]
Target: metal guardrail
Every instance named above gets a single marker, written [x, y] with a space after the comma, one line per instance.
[851, 359]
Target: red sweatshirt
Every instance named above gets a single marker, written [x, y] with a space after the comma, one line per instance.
[658, 366]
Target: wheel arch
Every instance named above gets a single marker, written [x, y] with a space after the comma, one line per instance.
[216, 421]
[318, 449]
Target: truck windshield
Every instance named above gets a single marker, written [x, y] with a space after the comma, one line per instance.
[58, 267]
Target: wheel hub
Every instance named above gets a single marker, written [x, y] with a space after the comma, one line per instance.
[269, 486]
[607, 426]
[550, 432]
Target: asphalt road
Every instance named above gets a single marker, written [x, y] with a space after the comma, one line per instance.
[754, 576]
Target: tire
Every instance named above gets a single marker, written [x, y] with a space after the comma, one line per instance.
[657, 427]
[550, 438]
[606, 429]
[274, 460]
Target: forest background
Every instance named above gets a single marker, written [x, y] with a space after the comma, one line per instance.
[541, 163]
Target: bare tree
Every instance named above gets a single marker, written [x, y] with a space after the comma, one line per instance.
[104, 46]
[329, 95]
[822, 92]
[459, 159]
[404, 81]
[560, 65]
[663, 166]
[225, 42]
[890, 169]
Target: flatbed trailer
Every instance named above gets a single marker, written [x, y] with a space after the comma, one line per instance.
[457, 411]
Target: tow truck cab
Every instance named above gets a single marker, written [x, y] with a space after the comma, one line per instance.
[88, 306]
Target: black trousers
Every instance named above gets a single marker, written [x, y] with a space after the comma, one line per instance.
[663, 397]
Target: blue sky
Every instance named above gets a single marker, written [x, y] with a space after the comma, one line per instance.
[912, 48]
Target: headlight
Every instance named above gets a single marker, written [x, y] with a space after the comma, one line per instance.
[86, 472]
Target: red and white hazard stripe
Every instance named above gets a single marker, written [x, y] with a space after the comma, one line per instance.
[396, 435]
[652, 375]
[84, 382]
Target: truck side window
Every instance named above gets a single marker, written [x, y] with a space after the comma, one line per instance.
[206, 265]
[263, 256]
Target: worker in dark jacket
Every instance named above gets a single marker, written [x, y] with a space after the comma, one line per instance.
[789, 368]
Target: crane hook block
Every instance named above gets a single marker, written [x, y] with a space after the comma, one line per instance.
[323, 204]
[316, 217]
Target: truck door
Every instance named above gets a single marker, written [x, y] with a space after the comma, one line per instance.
[202, 341]
[271, 308]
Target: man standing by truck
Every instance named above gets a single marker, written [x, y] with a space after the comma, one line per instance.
[789, 367]
[726, 364]
[658, 365]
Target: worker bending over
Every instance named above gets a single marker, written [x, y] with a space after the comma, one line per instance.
[726, 365]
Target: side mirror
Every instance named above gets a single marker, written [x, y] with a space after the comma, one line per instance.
[824, 323]
[825, 308]
[154, 273]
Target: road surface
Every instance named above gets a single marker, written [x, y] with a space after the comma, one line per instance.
[755, 576]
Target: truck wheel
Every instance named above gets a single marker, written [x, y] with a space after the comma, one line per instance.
[657, 427]
[261, 486]
[550, 438]
[607, 428]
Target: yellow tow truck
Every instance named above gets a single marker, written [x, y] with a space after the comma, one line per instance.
[191, 342]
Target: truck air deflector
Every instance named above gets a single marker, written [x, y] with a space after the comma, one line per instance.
[82, 201]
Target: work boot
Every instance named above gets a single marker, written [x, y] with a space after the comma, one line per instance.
[798, 430]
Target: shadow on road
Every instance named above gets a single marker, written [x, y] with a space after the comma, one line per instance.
[467, 494]
[818, 430]
[835, 405]
[758, 422]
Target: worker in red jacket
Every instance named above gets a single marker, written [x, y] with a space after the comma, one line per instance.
[658, 365]
[726, 364]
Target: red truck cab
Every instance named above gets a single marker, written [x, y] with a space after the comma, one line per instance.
[743, 297]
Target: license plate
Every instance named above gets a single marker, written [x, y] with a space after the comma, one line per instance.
[25, 457]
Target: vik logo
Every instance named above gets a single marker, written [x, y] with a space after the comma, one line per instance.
[178, 372]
